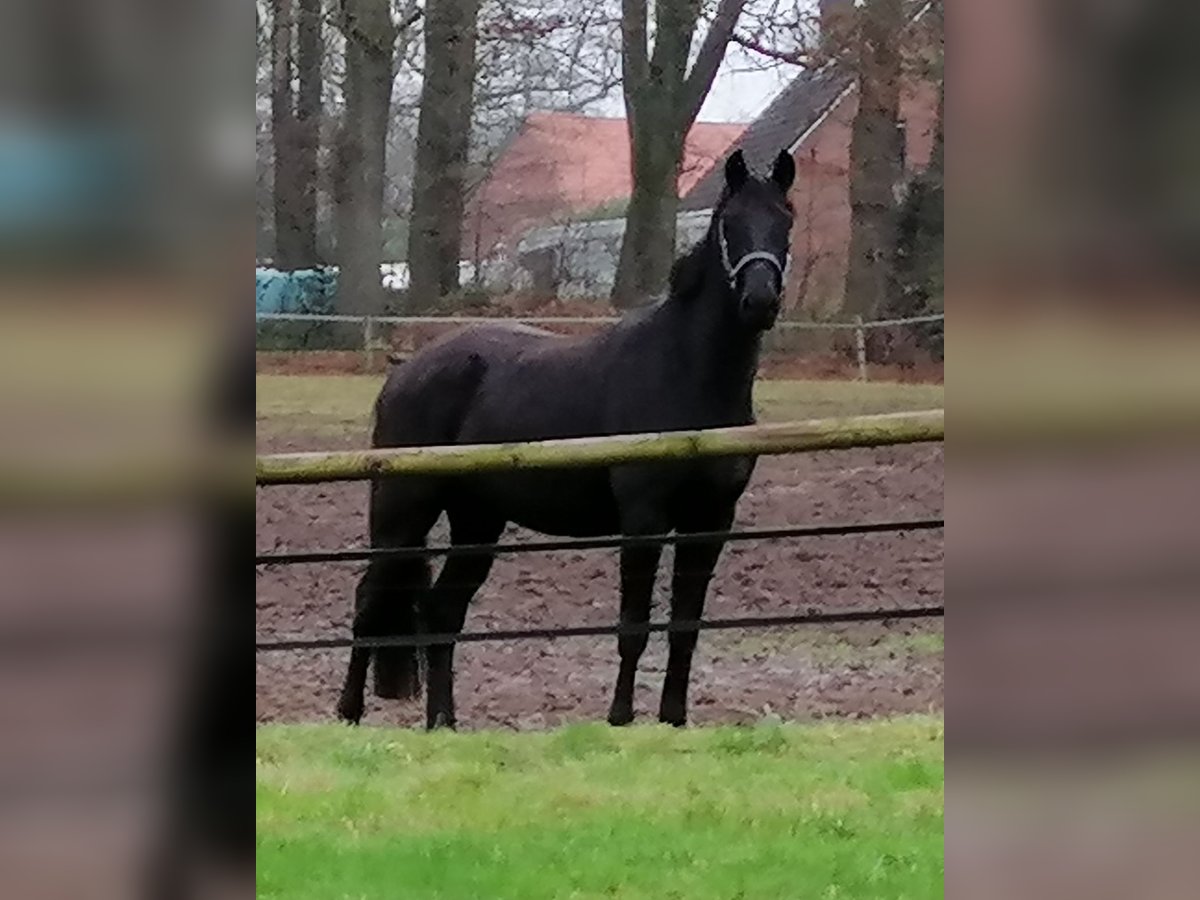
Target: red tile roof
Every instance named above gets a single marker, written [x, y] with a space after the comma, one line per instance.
[559, 164]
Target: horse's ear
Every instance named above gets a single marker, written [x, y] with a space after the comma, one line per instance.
[784, 171]
[736, 172]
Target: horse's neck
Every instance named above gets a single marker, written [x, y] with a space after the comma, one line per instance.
[720, 354]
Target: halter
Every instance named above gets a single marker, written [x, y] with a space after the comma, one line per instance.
[753, 256]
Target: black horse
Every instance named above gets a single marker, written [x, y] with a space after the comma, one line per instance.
[688, 362]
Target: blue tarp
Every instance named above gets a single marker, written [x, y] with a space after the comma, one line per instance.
[58, 181]
[302, 291]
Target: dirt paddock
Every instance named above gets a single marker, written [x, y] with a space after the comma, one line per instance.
[801, 673]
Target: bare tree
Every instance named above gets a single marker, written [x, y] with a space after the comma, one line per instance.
[295, 124]
[443, 142]
[920, 230]
[792, 32]
[543, 54]
[876, 159]
[286, 180]
[533, 55]
[309, 51]
[370, 37]
[264, 151]
[895, 252]
[663, 96]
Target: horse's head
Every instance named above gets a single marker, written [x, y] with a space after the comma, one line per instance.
[753, 228]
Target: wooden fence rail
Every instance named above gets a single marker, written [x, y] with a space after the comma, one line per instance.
[758, 440]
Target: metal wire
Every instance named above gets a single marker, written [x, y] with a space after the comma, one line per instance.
[601, 543]
[475, 637]
[567, 320]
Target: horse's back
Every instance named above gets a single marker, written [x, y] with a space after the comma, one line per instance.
[425, 399]
[506, 383]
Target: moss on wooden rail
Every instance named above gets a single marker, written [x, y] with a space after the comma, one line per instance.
[757, 440]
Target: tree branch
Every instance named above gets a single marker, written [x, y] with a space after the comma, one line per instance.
[411, 19]
[708, 60]
[792, 57]
[372, 23]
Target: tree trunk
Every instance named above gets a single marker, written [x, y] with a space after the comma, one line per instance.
[937, 161]
[287, 203]
[648, 245]
[920, 255]
[662, 99]
[362, 139]
[876, 160]
[443, 141]
[308, 127]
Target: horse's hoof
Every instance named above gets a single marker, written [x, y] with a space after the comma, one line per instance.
[620, 717]
[441, 721]
[350, 710]
[676, 718]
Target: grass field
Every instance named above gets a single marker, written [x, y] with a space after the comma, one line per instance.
[341, 404]
[773, 811]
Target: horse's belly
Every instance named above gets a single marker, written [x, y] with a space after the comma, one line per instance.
[575, 503]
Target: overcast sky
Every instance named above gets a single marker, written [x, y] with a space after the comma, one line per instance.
[745, 83]
[738, 94]
[741, 91]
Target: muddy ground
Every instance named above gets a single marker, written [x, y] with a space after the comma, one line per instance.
[800, 673]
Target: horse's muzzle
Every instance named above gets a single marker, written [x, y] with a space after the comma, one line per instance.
[759, 304]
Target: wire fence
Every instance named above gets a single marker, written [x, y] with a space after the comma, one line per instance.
[793, 437]
[371, 340]
[568, 320]
[809, 617]
[579, 631]
[604, 543]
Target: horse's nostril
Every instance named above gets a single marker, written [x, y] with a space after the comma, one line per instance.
[760, 299]
[760, 308]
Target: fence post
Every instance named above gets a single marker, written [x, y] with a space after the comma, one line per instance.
[368, 342]
[860, 347]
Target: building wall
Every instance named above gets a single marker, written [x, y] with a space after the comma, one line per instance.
[559, 166]
[503, 206]
[579, 260]
[821, 197]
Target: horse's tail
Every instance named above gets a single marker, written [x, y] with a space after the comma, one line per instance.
[386, 606]
[403, 510]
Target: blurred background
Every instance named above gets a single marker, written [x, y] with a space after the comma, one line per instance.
[480, 158]
[514, 167]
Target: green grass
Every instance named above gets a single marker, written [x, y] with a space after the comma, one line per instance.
[315, 404]
[781, 401]
[773, 811]
[341, 404]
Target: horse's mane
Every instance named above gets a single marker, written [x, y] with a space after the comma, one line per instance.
[688, 271]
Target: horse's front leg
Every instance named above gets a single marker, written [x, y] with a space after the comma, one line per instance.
[694, 565]
[638, 568]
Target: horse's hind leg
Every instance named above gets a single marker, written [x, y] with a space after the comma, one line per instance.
[445, 611]
[387, 595]
[381, 609]
[350, 703]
